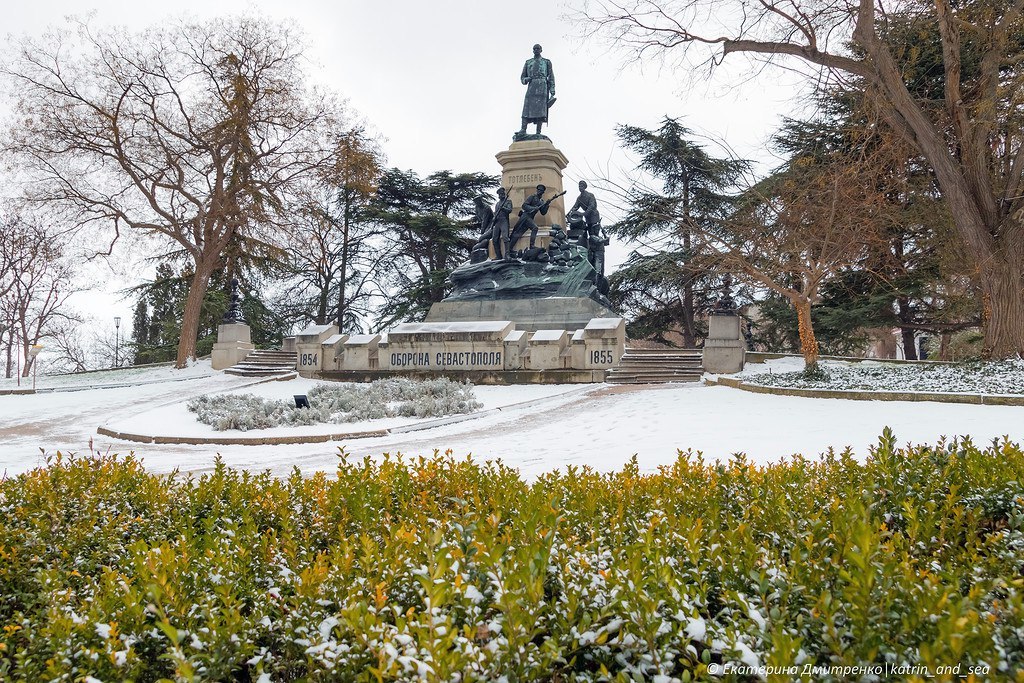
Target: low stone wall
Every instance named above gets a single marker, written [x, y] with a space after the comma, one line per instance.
[567, 376]
[862, 395]
[485, 352]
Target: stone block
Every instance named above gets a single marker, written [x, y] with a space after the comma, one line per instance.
[310, 358]
[724, 349]
[288, 344]
[234, 343]
[333, 349]
[226, 355]
[361, 352]
[234, 332]
[458, 346]
[315, 334]
[578, 348]
[515, 348]
[546, 347]
[724, 327]
[604, 341]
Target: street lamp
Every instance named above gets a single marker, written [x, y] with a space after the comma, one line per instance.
[117, 337]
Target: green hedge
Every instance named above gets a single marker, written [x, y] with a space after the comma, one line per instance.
[443, 569]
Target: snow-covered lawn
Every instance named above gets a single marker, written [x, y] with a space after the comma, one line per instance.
[159, 373]
[597, 425]
[996, 377]
[174, 419]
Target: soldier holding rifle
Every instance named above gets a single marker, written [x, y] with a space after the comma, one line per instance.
[533, 205]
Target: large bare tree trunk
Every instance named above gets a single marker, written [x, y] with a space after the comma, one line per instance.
[190, 321]
[321, 309]
[689, 330]
[904, 315]
[1002, 286]
[808, 342]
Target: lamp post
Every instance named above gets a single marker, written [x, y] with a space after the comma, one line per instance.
[117, 337]
[33, 352]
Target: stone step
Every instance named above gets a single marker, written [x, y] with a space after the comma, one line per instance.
[685, 362]
[657, 366]
[666, 351]
[696, 372]
[652, 380]
[265, 366]
[265, 363]
[251, 372]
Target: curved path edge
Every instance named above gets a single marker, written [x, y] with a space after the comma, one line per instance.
[864, 395]
[322, 438]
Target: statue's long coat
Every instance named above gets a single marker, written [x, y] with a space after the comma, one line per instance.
[541, 78]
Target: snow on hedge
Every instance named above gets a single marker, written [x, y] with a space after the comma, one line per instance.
[336, 404]
[993, 377]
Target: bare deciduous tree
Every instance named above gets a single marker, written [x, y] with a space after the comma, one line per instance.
[33, 298]
[333, 251]
[194, 133]
[970, 133]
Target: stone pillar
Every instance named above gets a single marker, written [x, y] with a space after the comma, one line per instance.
[604, 342]
[524, 165]
[234, 343]
[515, 345]
[309, 348]
[361, 352]
[724, 349]
[546, 350]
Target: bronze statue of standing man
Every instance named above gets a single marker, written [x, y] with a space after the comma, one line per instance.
[539, 78]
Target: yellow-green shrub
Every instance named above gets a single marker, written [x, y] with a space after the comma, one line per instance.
[443, 569]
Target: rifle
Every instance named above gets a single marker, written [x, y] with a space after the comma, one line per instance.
[544, 207]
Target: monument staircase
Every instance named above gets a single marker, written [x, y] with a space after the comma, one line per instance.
[657, 366]
[264, 363]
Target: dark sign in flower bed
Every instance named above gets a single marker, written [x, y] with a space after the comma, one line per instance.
[439, 569]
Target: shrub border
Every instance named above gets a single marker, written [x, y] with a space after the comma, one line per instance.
[863, 395]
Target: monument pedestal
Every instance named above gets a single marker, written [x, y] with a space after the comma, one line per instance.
[724, 349]
[524, 166]
[234, 343]
[551, 313]
[535, 296]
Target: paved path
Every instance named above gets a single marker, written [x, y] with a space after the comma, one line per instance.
[34, 424]
[605, 429]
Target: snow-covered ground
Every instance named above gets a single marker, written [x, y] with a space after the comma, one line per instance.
[601, 426]
[995, 377]
[176, 420]
[158, 373]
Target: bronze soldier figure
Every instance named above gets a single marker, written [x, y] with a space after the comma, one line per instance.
[499, 226]
[483, 217]
[532, 205]
[539, 78]
[587, 203]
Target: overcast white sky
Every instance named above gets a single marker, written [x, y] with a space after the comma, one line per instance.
[439, 80]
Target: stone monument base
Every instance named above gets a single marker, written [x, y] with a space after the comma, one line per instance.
[234, 343]
[552, 313]
[724, 349]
